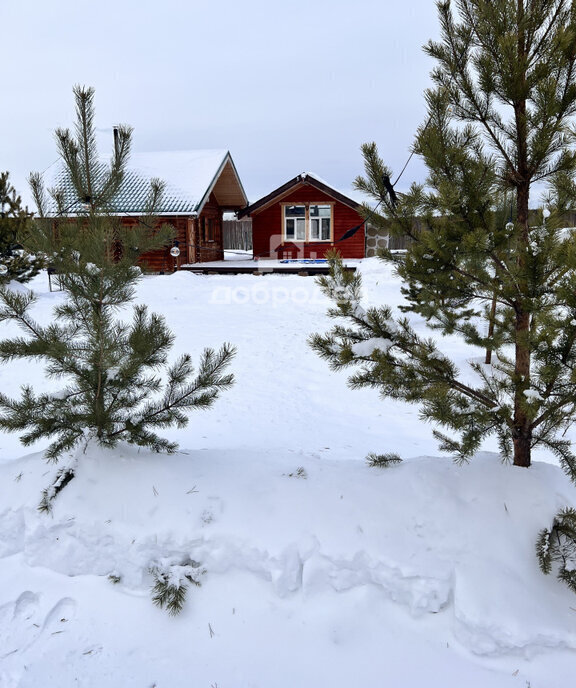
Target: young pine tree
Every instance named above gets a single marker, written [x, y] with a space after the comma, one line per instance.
[15, 222]
[110, 369]
[500, 120]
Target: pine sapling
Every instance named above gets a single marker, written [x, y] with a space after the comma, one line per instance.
[113, 392]
[15, 226]
[499, 121]
[118, 384]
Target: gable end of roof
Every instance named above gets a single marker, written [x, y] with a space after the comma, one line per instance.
[305, 179]
[227, 159]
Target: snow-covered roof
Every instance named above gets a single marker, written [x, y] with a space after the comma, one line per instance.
[189, 176]
[303, 178]
[352, 194]
[188, 173]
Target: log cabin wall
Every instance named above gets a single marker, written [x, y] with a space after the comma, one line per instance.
[160, 259]
[267, 228]
[199, 239]
[208, 241]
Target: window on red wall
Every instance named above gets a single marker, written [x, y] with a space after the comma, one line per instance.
[320, 222]
[210, 229]
[307, 222]
[295, 222]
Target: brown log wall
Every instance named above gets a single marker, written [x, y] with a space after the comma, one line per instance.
[193, 236]
[209, 248]
[160, 260]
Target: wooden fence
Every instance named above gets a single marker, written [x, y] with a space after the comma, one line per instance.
[237, 235]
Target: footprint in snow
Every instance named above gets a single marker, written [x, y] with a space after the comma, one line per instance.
[26, 605]
[59, 616]
[19, 625]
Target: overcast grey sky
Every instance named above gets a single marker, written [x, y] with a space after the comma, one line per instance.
[286, 87]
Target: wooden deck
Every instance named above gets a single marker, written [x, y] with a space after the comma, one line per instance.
[262, 267]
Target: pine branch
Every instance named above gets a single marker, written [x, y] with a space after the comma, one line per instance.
[382, 460]
[171, 583]
[557, 545]
[63, 477]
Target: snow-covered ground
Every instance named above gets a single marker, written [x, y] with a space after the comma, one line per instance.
[318, 570]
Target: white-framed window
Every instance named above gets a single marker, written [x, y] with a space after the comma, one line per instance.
[320, 222]
[308, 222]
[295, 222]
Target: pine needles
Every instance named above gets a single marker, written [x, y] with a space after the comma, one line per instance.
[171, 582]
[383, 460]
[557, 545]
[63, 477]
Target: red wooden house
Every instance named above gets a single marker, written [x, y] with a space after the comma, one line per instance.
[200, 186]
[304, 218]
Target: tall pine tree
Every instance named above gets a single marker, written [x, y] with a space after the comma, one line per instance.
[15, 222]
[500, 121]
[110, 370]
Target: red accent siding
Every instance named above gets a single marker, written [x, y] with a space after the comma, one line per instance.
[267, 228]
